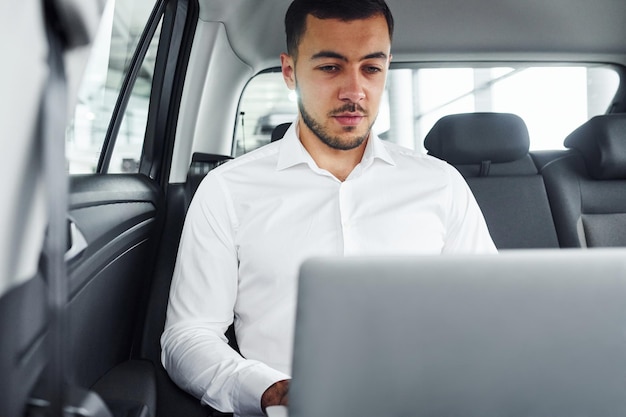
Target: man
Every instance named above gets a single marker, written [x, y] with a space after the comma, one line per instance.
[329, 187]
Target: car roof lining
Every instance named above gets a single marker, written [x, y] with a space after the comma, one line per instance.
[457, 29]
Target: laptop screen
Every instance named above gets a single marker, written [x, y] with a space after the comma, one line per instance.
[528, 333]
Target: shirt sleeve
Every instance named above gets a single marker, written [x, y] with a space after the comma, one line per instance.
[195, 351]
[467, 231]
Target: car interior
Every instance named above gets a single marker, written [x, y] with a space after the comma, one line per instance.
[527, 100]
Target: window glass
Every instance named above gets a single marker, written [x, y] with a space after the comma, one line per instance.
[266, 103]
[120, 30]
[552, 100]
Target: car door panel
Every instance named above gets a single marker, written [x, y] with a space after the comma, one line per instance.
[23, 322]
[117, 217]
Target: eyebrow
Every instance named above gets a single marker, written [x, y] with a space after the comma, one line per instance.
[335, 55]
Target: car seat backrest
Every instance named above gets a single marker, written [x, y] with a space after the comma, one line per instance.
[171, 400]
[279, 131]
[179, 196]
[587, 189]
[491, 151]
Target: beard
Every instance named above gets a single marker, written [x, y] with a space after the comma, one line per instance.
[335, 142]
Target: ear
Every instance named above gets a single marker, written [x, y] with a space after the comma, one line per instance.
[288, 64]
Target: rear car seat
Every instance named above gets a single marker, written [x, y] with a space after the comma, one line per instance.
[587, 188]
[491, 150]
[171, 400]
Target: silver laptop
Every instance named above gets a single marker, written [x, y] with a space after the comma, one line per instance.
[529, 333]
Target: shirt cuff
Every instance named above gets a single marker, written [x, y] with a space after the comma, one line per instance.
[252, 385]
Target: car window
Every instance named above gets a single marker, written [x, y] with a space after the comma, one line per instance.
[552, 100]
[118, 37]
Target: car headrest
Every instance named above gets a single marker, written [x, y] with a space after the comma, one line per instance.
[472, 138]
[602, 143]
[279, 131]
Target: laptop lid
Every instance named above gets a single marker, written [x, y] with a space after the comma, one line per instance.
[529, 333]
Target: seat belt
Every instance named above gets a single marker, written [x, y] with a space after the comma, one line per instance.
[52, 122]
[484, 168]
[60, 399]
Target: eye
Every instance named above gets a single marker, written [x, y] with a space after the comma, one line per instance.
[329, 68]
[372, 69]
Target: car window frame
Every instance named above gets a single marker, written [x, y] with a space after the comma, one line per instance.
[177, 33]
[177, 20]
[128, 83]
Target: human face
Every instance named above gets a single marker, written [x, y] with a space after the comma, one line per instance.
[339, 74]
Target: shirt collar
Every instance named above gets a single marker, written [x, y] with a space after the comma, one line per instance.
[293, 153]
[376, 149]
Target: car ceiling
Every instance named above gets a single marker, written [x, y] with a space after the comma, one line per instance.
[578, 30]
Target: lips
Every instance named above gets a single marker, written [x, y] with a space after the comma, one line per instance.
[349, 119]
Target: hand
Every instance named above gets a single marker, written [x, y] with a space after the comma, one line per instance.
[277, 394]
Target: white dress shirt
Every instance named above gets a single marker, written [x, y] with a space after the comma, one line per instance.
[255, 219]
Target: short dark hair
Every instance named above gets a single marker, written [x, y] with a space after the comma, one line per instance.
[347, 10]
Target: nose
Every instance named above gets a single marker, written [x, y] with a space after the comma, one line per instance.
[352, 89]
